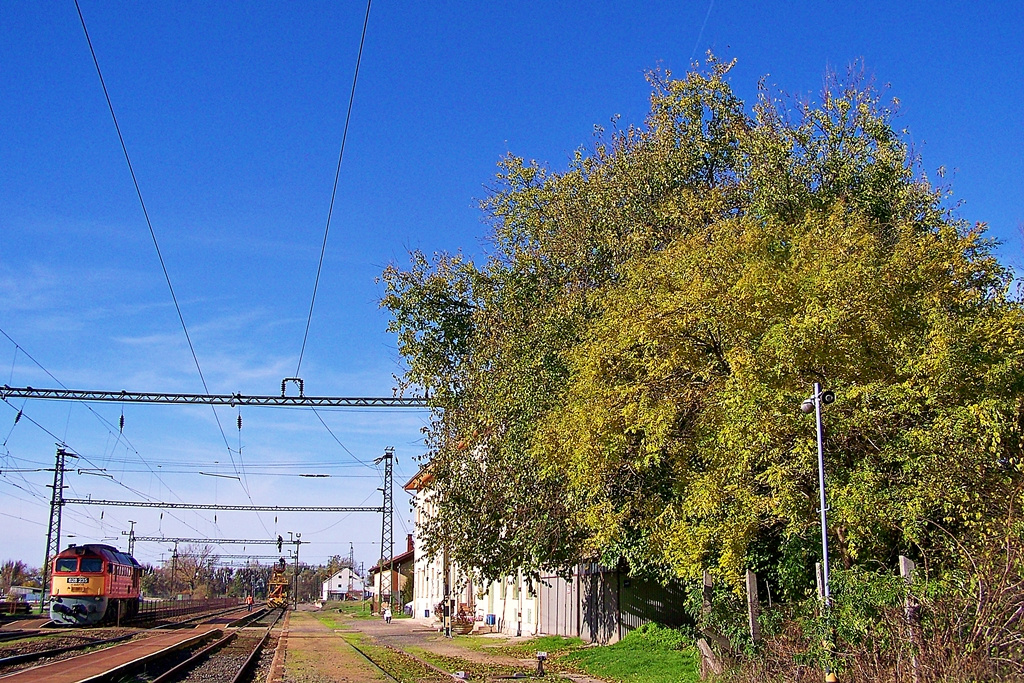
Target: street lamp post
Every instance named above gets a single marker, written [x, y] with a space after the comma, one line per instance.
[814, 403]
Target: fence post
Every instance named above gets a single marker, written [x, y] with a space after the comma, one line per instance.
[710, 663]
[911, 610]
[707, 591]
[753, 607]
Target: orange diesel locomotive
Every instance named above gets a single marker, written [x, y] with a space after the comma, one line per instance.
[93, 582]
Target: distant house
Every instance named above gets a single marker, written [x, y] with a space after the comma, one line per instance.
[29, 594]
[400, 575]
[344, 585]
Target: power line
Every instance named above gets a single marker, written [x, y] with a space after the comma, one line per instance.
[217, 541]
[152, 232]
[106, 423]
[334, 191]
[86, 459]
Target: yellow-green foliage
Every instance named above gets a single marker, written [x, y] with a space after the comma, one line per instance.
[622, 376]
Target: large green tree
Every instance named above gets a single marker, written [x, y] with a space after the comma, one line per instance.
[620, 376]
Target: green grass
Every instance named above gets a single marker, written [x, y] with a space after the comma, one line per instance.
[479, 643]
[355, 609]
[398, 664]
[650, 654]
[553, 645]
[476, 671]
[331, 620]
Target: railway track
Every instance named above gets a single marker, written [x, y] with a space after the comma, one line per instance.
[75, 640]
[375, 665]
[232, 657]
[143, 648]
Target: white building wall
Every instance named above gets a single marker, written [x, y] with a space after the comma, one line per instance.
[511, 602]
[342, 582]
[510, 605]
[428, 582]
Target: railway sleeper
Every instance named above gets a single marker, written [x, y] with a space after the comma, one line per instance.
[142, 663]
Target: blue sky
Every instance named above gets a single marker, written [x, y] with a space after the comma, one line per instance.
[233, 113]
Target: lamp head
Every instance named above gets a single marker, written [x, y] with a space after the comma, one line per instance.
[807, 406]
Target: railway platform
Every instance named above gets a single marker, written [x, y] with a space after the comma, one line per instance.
[110, 663]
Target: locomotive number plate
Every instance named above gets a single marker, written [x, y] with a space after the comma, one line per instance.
[78, 579]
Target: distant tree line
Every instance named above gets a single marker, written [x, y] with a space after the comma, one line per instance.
[197, 572]
[18, 573]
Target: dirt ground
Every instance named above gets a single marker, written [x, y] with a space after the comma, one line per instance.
[316, 654]
[319, 654]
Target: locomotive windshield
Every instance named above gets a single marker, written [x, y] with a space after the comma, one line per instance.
[67, 564]
[92, 565]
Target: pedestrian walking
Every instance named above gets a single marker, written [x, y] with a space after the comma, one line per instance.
[387, 615]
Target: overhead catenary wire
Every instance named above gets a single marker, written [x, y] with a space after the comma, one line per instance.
[86, 459]
[106, 423]
[166, 272]
[156, 245]
[334, 191]
[149, 222]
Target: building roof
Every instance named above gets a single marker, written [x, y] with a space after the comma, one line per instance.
[342, 571]
[419, 480]
[407, 556]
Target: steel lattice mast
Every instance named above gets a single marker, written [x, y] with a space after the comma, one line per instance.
[57, 501]
[387, 535]
[204, 506]
[301, 400]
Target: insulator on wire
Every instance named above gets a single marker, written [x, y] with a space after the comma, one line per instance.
[17, 417]
[121, 423]
[239, 422]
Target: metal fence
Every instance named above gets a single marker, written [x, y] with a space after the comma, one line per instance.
[164, 609]
[601, 605]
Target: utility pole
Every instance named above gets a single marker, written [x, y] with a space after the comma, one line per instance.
[296, 542]
[387, 536]
[131, 537]
[174, 570]
[351, 568]
[56, 503]
[813, 404]
[446, 609]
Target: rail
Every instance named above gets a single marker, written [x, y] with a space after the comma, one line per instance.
[206, 657]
